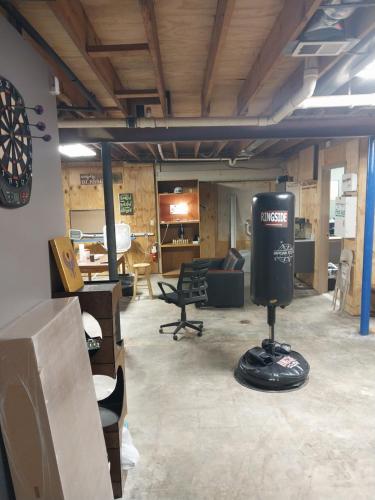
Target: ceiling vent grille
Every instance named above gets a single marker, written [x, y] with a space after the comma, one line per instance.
[319, 48]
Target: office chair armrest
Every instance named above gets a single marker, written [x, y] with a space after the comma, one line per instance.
[161, 285]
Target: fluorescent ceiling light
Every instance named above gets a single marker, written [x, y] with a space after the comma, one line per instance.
[76, 150]
[368, 72]
[338, 101]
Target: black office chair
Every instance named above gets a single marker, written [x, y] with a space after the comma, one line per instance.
[191, 289]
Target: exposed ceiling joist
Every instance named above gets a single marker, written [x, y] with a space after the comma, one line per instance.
[239, 146]
[152, 149]
[130, 149]
[73, 19]
[175, 150]
[278, 148]
[300, 147]
[288, 25]
[114, 49]
[117, 152]
[132, 94]
[149, 21]
[218, 148]
[68, 89]
[224, 11]
[265, 146]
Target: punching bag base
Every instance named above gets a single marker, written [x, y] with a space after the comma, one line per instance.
[260, 369]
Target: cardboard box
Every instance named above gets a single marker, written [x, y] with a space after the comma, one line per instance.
[48, 413]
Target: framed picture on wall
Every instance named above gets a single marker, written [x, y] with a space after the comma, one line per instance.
[126, 203]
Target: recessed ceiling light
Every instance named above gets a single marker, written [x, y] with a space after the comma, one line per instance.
[368, 72]
[338, 101]
[76, 150]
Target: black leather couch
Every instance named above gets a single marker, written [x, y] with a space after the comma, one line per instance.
[225, 280]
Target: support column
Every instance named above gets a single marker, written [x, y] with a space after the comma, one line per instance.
[109, 210]
[368, 240]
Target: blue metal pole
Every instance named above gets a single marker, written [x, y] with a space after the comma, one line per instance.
[368, 240]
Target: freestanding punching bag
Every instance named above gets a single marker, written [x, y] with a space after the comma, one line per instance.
[274, 366]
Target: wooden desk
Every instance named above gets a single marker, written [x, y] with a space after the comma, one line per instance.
[100, 265]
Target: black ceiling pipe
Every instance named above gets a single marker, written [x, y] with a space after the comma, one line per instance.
[109, 210]
[26, 26]
[348, 126]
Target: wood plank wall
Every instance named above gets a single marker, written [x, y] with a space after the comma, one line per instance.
[352, 155]
[215, 214]
[137, 179]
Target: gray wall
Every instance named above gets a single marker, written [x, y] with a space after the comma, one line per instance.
[24, 232]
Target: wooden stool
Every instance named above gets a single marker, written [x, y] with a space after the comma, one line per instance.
[146, 275]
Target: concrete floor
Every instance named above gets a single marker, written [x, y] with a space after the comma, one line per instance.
[203, 436]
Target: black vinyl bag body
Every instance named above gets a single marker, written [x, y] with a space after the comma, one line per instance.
[272, 254]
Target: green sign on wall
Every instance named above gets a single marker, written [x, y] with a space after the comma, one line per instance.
[126, 203]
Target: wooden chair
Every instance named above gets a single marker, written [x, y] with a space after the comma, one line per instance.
[145, 275]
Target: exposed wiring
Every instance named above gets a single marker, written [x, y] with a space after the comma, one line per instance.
[165, 234]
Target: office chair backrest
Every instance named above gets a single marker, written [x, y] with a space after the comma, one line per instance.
[192, 281]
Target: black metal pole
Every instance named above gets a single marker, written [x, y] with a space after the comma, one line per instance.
[109, 210]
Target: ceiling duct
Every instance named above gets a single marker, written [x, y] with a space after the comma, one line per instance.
[325, 34]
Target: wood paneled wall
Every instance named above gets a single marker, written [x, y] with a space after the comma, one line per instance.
[352, 155]
[137, 179]
[215, 214]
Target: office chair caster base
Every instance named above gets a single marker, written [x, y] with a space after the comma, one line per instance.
[199, 334]
[175, 337]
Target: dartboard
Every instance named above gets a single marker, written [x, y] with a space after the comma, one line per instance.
[15, 148]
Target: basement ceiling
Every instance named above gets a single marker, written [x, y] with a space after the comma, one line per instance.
[183, 58]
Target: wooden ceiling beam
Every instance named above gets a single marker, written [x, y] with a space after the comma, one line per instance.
[288, 25]
[76, 24]
[114, 49]
[175, 150]
[219, 146]
[152, 149]
[149, 21]
[68, 90]
[265, 146]
[239, 146]
[132, 94]
[279, 148]
[223, 16]
[130, 149]
[152, 101]
[116, 152]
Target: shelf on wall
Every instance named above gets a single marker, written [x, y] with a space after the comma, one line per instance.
[182, 245]
[163, 223]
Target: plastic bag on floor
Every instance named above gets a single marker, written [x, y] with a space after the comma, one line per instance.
[129, 453]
